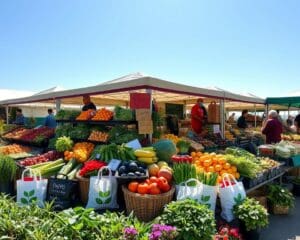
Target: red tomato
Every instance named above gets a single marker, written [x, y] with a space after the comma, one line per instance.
[153, 179]
[163, 184]
[154, 189]
[143, 188]
[133, 186]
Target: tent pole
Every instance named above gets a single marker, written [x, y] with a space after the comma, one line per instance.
[57, 104]
[222, 118]
[149, 91]
[255, 115]
[6, 113]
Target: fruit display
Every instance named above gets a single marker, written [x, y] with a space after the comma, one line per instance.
[229, 136]
[171, 137]
[103, 114]
[164, 149]
[146, 155]
[14, 149]
[81, 152]
[131, 169]
[154, 169]
[212, 162]
[17, 133]
[267, 163]
[291, 137]
[86, 115]
[98, 136]
[152, 186]
[46, 157]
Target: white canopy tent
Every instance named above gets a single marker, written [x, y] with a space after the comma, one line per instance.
[118, 91]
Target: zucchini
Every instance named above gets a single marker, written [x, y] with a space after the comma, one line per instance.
[72, 174]
[67, 168]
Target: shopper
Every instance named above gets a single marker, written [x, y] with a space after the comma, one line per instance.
[197, 116]
[242, 123]
[272, 128]
[50, 119]
[88, 103]
[297, 123]
[20, 119]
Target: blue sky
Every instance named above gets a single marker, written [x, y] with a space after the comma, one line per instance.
[243, 46]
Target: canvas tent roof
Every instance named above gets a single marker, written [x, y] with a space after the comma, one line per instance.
[291, 100]
[117, 92]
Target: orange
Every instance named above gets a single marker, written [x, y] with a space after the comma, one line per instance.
[193, 154]
[222, 172]
[234, 169]
[199, 154]
[214, 160]
[221, 161]
[218, 167]
[211, 169]
[207, 163]
[226, 166]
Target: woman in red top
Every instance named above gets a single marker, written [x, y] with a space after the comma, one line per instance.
[272, 128]
[197, 116]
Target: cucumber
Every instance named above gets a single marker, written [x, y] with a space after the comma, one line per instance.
[72, 174]
[67, 168]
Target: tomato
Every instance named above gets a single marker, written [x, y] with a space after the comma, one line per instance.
[154, 189]
[163, 184]
[133, 186]
[153, 179]
[143, 188]
[148, 181]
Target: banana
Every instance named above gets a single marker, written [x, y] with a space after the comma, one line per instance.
[147, 160]
[143, 153]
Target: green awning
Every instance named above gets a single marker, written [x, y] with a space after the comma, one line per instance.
[285, 101]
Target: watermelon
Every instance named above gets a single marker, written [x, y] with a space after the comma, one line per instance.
[164, 149]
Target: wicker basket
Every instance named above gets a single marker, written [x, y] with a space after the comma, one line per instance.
[84, 185]
[146, 207]
[280, 210]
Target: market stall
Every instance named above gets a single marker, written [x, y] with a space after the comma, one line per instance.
[102, 158]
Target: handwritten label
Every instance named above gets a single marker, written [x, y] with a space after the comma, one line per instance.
[114, 164]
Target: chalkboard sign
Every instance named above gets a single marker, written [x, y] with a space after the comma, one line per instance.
[174, 109]
[63, 192]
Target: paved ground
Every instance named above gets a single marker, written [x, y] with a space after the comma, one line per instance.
[283, 227]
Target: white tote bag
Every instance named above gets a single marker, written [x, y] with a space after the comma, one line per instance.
[230, 195]
[103, 191]
[209, 196]
[32, 190]
[192, 192]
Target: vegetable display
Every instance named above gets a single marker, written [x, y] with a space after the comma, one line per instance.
[183, 172]
[81, 152]
[210, 179]
[48, 169]
[146, 155]
[91, 168]
[114, 151]
[183, 146]
[123, 114]
[164, 149]
[86, 115]
[98, 136]
[49, 156]
[151, 186]
[7, 169]
[131, 169]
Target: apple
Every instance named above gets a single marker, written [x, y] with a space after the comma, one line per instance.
[168, 168]
[162, 163]
[167, 174]
[153, 169]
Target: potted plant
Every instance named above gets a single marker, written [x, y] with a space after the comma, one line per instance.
[253, 217]
[281, 199]
[296, 186]
[7, 174]
[191, 219]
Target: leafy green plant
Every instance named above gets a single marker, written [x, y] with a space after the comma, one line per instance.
[7, 168]
[252, 214]
[191, 219]
[63, 144]
[183, 146]
[280, 196]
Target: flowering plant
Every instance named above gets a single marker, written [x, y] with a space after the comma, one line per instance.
[163, 232]
[91, 168]
[130, 233]
[228, 233]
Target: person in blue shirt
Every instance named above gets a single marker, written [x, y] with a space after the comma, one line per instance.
[50, 119]
[20, 119]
